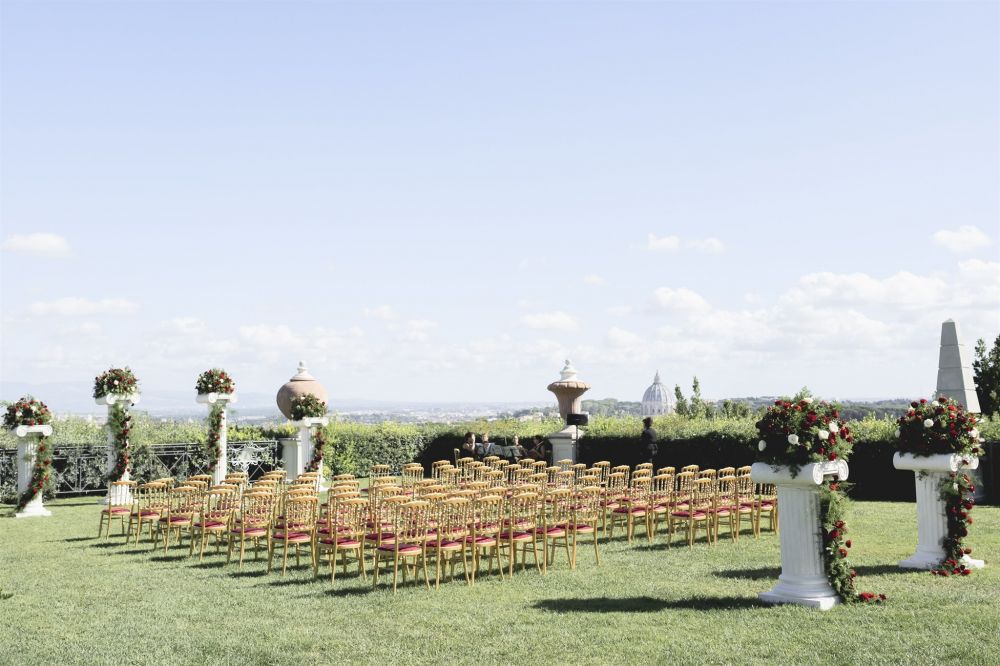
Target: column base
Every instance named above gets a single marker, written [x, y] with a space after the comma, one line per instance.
[803, 595]
[928, 561]
[811, 591]
[32, 512]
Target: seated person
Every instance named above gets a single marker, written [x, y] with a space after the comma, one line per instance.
[539, 449]
[469, 445]
[517, 450]
[486, 447]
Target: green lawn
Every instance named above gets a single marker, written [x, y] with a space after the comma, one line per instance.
[77, 599]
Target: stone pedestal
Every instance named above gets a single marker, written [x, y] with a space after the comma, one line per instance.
[564, 443]
[298, 452]
[124, 495]
[803, 574]
[932, 523]
[211, 399]
[27, 454]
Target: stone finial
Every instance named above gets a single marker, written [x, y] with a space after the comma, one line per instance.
[954, 379]
[568, 372]
[656, 378]
[303, 373]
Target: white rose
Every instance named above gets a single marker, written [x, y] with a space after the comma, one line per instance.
[761, 445]
[929, 423]
[17, 414]
[116, 382]
[834, 427]
[823, 434]
[974, 433]
[954, 486]
[808, 401]
[897, 433]
[793, 439]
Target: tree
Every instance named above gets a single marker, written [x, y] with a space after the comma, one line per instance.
[698, 406]
[682, 404]
[986, 374]
[736, 409]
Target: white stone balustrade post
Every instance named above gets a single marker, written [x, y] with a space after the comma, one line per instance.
[803, 572]
[124, 495]
[27, 455]
[297, 454]
[210, 399]
[932, 522]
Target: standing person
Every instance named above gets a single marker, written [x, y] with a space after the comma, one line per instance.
[649, 440]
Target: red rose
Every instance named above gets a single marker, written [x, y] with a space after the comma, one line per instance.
[848, 543]
[833, 456]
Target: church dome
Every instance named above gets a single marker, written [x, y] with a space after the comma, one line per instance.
[656, 400]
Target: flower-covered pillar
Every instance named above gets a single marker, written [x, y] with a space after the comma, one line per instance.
[216, 389]
[803, 578]
[217, 430]
[931, 473]
[311, 444]
[118, 390]
[31, 476]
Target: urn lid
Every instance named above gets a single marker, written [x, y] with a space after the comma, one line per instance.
[567, 379]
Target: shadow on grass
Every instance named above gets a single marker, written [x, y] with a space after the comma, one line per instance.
[209, 565]
[750, 574]
[168, 558]
[249, 574]
[107, 544]
[73, 539]
[349, 591]
[286, 582]
[643, 604]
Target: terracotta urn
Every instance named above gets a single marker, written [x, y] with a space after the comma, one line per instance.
[301, 384]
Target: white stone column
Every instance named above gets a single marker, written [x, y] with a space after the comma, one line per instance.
[27, 455]
[564, 443]
[803, 573]
[124, 496]
[932, 521]
[210, 399]
[304, 450]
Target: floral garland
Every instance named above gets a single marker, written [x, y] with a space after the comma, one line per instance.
[31, 412]
[319, 446]
[120, 422]
[940, 426]
[216, 412]
[800, 432]
[833, 510]
[116, 381]
[215, 380]
[307, 406]
[957, 492]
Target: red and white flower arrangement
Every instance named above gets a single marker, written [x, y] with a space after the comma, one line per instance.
[29, 411]
[116, 381]
[306, 406]
[215, 380]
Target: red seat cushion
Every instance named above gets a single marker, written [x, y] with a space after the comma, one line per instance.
[482, 540]
[635, 511]
[386, 536]
[251, 532]
[518, 536]
[450, 545]
[687, 514]
[115, 510]
[148, 514]
[177, 520]
[586, 529]
[292, 537]
[404, 549]
[342, 543]
[210, 524]
[551, 531]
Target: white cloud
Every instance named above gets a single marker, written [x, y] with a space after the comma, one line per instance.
[38, 245]
[381, 312]
[965, 239]
[671, 243]
[620, 338]
[68, 307]
[595, 280]
[555, 321]
[620, 310]
[902, 289]
[664, 243]
[678, 300]
[270, 336]
[417, 330]
[187, 325]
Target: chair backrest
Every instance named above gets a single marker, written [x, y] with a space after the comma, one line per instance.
[220, 504]
[527, 463]
[343, 477]
[622, 469]
[488, 515]
[744, 471]
[579, 470]
[184, 501]
[412, 474]
[522, 512]
[667, 470]
[453, 516]
[556, 506]
[565, 479]
[411, 523]
[564, 464]
[684, 482]
[638, 492]
[552, 471]
[300, 513]
[702, 495]
[605, 467]
[727, 471]
[451, 476]
[661, 490]
[690, 468]
[256, 510]
[152, 495]
[645, 465]
[351, 517]
[726, 492]
[167, 480]
[586, 506]
[617, 482]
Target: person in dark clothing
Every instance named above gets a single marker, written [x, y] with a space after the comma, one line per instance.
[649, 439]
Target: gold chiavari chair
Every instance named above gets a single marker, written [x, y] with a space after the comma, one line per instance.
[743, 471]
[614, 491]
[667, 470]
[207, 479]
[633, 508]
[552, 471]
[484, 532]
[453, 516]
[298, 530]
[345, 536]
[119, 506]
[682, 491]
[215, 518]
[379, 470]
[766, 502]
[518, 529]
[412, 473]
[661, 494]
[552, 525]
[645, 466]
[382, 511]
[690, 468]
[584, 516]
[527, 463]
[727, 471]
[622, 469]
[698, 511]
[410, 545]
[579, 471]
[605, 467]
[451, 477]
[437, 466]
[564, 464]
[565, 479]
[254, 523]
[539, 466]
[150, 500]
[745, 500]
[726, 506]
[183, 505]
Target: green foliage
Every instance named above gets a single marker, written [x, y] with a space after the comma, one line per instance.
[682, 404]
[986, 369]
[611, 407]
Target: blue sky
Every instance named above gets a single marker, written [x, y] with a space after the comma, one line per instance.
[441, 201]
